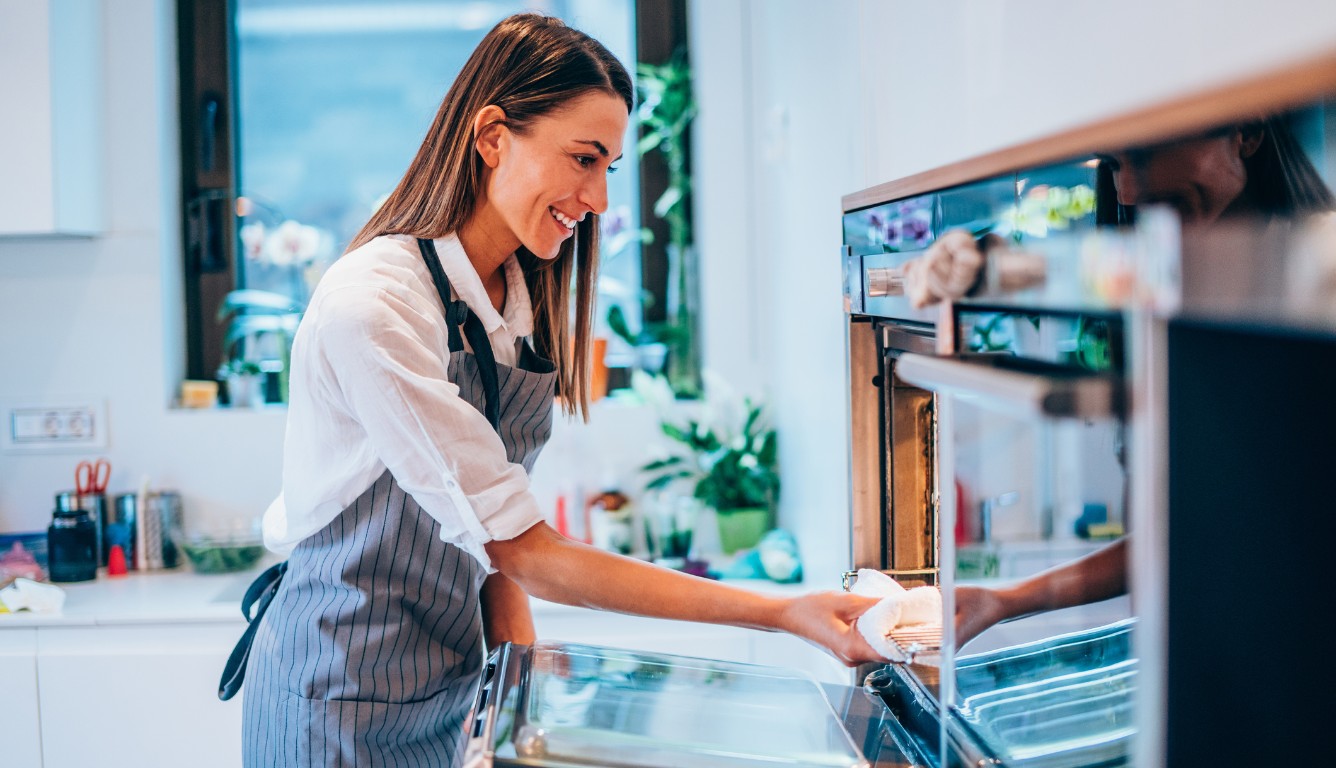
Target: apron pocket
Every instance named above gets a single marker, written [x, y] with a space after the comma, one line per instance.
[340, 732]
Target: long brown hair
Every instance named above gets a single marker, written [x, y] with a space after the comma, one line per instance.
[529, 65]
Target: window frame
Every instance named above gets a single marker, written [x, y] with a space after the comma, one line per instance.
[207, 72]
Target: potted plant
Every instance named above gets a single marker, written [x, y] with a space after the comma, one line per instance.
[730, 466]
[261, 325]
[245, 383]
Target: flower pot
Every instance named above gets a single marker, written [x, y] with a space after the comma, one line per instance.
[245, 390]
[670, 521]
[742, 528]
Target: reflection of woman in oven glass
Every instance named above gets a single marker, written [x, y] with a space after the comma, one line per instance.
[1256, 169]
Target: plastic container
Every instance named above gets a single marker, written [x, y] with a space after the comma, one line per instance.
[211, 556]
[221, 546]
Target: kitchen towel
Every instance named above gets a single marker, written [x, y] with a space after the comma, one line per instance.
[898, 607]
[26, 594]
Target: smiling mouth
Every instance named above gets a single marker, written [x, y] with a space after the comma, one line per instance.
[562, 218]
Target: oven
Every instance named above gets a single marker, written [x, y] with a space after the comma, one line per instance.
[989, 444]
[1127, 416]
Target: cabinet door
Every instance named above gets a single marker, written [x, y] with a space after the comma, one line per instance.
[22, 743]
[50, 155]
[137, 696]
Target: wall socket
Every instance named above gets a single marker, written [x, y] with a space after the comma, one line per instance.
[75, 424]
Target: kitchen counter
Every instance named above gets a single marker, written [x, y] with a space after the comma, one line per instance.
[126, 675]
[182, 596]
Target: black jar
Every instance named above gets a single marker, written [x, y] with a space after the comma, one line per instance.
[71, 542]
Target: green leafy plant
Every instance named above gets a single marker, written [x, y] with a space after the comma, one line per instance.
[726, 469]
[239, 368]
[650, 333]
[667, 108]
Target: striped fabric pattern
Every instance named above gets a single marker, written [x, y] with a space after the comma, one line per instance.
[372, 648]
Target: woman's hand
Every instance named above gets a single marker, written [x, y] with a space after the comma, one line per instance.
[827, 620]
[956, 265]
[947, 270]
[977, 609]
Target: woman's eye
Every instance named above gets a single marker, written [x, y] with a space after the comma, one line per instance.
[612, 169]
[585, 161]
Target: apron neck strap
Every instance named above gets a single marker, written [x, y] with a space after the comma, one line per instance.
[457, 314]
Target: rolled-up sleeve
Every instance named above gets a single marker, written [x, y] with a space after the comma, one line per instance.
[386, 370]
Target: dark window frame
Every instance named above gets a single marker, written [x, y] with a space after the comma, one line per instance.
[206, 40]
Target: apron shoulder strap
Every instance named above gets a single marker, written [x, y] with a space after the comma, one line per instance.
[455, 311]
[456, 314]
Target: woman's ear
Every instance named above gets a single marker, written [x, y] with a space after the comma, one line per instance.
[490, 134]
[1250, 138]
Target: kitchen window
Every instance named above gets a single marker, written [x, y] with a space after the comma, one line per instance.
[298, 117]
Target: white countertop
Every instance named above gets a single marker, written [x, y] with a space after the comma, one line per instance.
[182, 596]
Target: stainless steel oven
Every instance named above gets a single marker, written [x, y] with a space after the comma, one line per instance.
[1125, 438]
[988, 445]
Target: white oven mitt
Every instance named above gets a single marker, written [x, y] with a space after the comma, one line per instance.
[33, 596]
[898, 607]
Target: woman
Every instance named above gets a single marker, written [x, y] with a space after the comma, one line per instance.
[417, 408]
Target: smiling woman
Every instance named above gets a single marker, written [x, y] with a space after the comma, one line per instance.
[418, 407]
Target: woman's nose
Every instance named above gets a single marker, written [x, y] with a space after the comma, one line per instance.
[1127, 180]
[594, 194]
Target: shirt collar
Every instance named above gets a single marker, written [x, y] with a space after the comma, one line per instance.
[517, 313]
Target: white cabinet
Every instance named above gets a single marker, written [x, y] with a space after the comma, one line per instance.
[21, 746]
[137, 696]
[50, 110]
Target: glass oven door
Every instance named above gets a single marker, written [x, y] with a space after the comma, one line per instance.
[1039, 668]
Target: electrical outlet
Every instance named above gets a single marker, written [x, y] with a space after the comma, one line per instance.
[76, 424]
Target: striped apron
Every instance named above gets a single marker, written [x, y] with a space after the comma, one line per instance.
[371, 646]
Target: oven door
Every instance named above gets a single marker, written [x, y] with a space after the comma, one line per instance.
[1030, 431]
[554, 704]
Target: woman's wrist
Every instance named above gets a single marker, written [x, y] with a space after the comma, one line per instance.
[779, 615]
[1018, 600]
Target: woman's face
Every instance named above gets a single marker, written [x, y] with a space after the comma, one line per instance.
[1199, 177]
[556, 173]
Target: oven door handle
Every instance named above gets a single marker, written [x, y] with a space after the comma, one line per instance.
[988, 381]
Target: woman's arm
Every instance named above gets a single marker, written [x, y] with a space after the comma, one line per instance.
[552, 567]
[1097, 576]
[506, 617]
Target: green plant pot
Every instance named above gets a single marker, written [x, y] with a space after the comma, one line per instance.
[741, 528]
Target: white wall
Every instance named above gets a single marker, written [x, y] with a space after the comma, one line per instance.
[103, 316]
[804, 102]
[801, 103]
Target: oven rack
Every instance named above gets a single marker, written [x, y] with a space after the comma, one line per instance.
[917, 644]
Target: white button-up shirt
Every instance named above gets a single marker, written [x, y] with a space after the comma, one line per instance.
[368, 391]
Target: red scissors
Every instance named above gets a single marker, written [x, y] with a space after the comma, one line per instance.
[92, 476]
